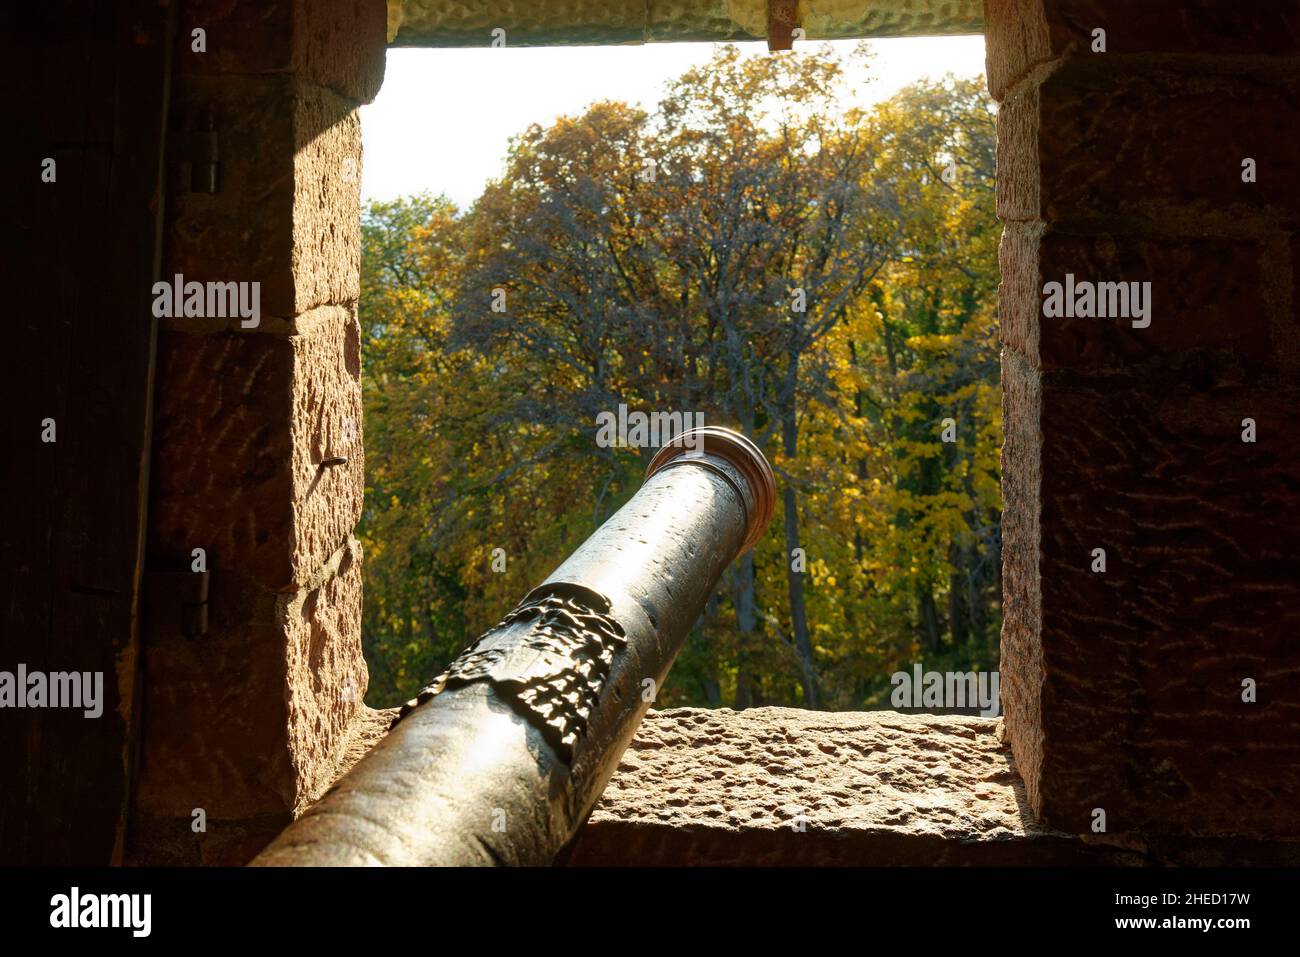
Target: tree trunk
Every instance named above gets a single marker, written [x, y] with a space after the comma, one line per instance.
[710, 687]
[742, 597]
[798, 614]
[956, 592]
[929, 619]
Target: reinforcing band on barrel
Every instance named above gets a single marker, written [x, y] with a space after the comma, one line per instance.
[549, 659]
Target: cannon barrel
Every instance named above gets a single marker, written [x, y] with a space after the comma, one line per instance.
[502, 757]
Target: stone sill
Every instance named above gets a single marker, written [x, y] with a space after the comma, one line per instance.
[702, 787]
[723, 787]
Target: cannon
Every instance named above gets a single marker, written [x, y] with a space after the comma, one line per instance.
[501, 758]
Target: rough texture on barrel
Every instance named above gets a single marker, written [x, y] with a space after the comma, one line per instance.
[501, 757]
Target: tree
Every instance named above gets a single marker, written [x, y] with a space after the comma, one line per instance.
[817, 278]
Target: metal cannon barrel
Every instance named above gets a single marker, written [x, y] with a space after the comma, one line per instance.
[502, 757]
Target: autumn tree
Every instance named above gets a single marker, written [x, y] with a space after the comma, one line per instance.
[821, 279]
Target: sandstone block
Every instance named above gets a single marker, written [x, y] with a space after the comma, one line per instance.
[243, 426]
[326, 674]
[252, 718]
[1213, 315]
[1022, 657]
[1019, 167]
[1139, 670]
[338, 44]
[1023, 33]
[780, 786]
[173, 842]
[1157, 148]
[288, 203]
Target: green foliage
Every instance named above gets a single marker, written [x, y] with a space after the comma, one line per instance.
[654, 260]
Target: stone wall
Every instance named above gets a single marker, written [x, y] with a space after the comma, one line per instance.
[782, 786]
[257, 455]
[1123, 689]
[785, 787]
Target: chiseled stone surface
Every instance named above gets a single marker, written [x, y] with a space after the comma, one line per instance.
[172, 841]
[1022, 594]
[338, 44]
[288, 202]
[326, 672]
[722, 787]
[1088, 147]
[1123, 689]
[252, 718]
[242, 427]
[1026, 34]
[368, 728]
[533, 22]
[326, 419]
[1196, 284]
[1142, 697]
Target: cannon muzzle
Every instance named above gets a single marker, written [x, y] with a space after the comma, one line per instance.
[502, 757]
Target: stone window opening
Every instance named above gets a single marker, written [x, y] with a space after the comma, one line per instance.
[1012, 800]
[1159, 693]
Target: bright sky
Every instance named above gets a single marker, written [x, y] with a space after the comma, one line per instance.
[443, 118]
